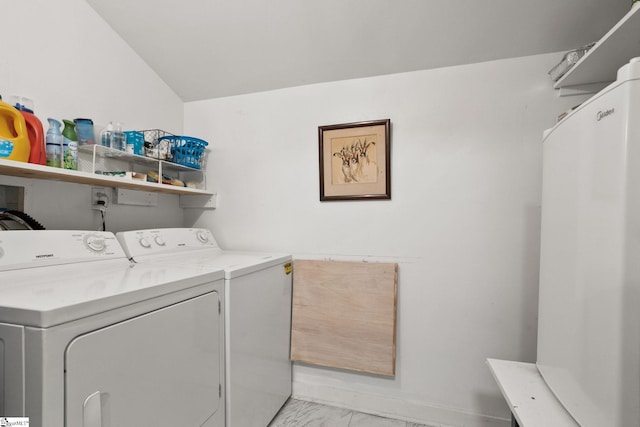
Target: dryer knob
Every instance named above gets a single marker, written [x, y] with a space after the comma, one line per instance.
[159, 241]
[202, 236]
[144, 242]
[95, 243]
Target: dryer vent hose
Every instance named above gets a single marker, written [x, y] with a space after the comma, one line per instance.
[21, 218]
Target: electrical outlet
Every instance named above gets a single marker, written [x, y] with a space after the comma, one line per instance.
[99, 198]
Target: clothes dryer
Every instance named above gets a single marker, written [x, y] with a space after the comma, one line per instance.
[89, 339]
[258, 290]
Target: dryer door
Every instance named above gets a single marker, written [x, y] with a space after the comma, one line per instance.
[11, 370]
[158, 369]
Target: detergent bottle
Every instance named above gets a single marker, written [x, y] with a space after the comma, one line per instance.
[54, 144]
[34, 128]
[70, 145]
[14, 139]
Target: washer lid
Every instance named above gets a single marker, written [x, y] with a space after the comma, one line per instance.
[234, 264]
[193, 246]
[47, 296]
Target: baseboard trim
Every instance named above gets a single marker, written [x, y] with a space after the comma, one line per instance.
[392, 407]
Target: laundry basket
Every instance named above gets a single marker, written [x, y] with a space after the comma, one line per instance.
[186, 150]
[153, 146]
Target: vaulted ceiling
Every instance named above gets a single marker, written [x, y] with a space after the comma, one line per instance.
[213, 48]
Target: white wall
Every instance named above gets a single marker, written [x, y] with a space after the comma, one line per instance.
[72, 64]
[463, 222]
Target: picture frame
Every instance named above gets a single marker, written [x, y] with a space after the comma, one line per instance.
[355, 160]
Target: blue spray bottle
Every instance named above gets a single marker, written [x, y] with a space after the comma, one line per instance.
[54, 144]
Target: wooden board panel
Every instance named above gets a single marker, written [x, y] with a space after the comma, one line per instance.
[344, 315]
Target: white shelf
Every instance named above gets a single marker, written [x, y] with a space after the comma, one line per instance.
[530, 400]
[98, 152]
[33, 171]
[601, 63]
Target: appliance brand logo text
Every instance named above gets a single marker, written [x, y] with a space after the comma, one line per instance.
[14, 421]
[44, 256]
[602, 114]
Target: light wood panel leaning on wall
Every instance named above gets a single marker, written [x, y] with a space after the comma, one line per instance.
[344, 315]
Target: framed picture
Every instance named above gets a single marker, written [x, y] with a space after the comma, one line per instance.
[355, 161]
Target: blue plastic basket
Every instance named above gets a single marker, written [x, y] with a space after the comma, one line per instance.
[186, 150]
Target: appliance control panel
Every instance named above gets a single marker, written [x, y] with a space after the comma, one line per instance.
[165, 241]
[36, 248]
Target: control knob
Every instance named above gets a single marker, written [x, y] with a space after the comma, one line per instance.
[203, 236]
[95, 243]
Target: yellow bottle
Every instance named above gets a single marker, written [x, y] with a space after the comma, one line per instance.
[14, 138]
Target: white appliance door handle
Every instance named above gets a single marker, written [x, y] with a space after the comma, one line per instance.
[92, 410]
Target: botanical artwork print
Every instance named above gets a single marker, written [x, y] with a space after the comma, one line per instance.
[354, 160]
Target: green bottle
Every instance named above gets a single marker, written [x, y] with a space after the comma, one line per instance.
[70, 142]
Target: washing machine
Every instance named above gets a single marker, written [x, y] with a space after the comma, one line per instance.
[258, 290]
[89, 339]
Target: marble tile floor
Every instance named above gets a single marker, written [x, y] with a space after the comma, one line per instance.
[298, 413]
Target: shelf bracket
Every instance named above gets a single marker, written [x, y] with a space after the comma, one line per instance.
[583, 89]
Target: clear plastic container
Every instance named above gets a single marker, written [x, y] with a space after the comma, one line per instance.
[113, 137]
[84, 129]
[119, 140]
[107, 135]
